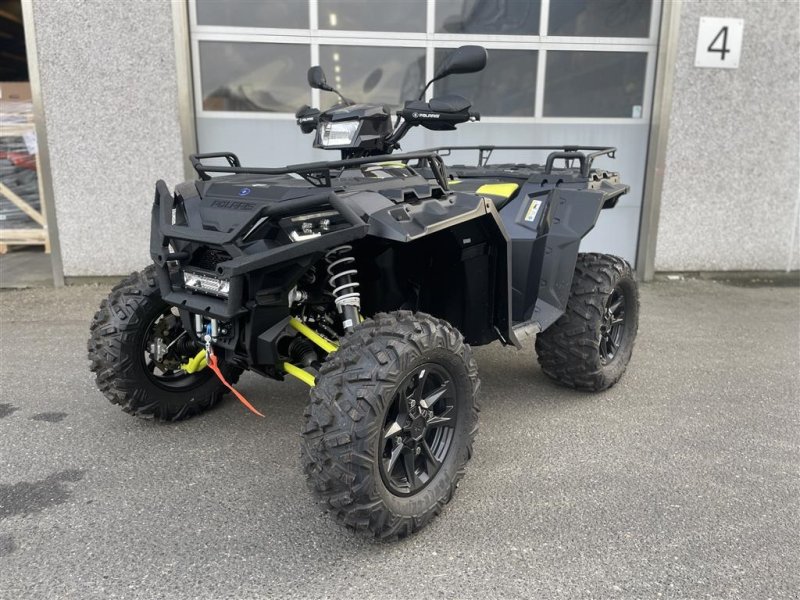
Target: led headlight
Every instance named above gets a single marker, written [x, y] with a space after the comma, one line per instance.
[207, 284]
[337, 134]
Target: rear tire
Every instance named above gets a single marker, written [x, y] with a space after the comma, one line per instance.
[395, 382]
[587, 349]
[116, 352]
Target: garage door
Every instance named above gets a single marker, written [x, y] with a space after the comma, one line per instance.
[559, 72]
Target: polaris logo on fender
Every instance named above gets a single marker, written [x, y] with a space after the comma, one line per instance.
[426, 115]
[232, 205]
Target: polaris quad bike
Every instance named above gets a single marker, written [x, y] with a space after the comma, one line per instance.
[369, 278]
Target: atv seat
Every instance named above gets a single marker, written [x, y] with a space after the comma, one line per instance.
[498, 191]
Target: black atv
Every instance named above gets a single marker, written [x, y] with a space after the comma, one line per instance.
[368, 278]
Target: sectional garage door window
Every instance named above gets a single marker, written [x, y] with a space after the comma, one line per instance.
[549, 60]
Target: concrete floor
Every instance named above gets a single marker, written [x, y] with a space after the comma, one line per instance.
[25, 267]
[680, 482]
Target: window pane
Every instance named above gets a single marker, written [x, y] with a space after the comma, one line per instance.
[247, 13]
[374, 75]
[600, 18]
[594, 84]
[506, 87]
[254, 77]
[373, 15]
[509, 17]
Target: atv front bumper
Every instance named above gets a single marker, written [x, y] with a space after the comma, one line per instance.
[173, 245]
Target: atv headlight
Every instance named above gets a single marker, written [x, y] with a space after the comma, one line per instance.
[207, 284]
[337, 134]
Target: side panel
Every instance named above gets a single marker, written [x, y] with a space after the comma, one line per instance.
[449, 257]
[523, 218]
[546, 238]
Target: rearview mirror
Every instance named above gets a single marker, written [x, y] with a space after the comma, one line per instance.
[466, 59]
[316, 79]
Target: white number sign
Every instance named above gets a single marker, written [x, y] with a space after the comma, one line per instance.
[719, 42]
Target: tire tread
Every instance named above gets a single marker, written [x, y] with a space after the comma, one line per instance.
[569, 350]
[344, 413]
[113, 331]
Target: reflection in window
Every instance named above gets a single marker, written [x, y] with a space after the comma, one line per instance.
[247, 13]
[373, 15]
[498, 17]
[238, 76]
[594, 84]
[506, 87]
[600, 18]
[375, 75]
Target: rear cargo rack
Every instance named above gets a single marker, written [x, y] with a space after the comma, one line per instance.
[318, 173]
[566, 153]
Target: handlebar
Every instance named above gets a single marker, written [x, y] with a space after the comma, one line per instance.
[436, 119]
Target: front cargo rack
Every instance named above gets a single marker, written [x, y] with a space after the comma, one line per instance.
[566, 153]
[318, 174]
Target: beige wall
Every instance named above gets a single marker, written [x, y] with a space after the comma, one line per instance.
[108, 81]
[730, 196]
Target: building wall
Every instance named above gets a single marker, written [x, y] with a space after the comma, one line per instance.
[108, 80]
[110, 96]
[730, 198]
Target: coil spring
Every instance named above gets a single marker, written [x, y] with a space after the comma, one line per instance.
[344, 288]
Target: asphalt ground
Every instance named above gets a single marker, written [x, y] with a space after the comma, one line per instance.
[683, 481]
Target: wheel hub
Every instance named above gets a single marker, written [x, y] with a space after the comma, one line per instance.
[418, 429]
[166, 346]
[612, 326]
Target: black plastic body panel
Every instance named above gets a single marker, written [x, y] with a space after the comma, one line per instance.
[546, 220]
[207, 225]
[217, 221]
[416, 244]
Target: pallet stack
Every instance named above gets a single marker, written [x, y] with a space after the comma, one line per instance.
[22, 219]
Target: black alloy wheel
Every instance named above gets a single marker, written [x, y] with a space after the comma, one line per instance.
[137, 345]
[418, 430]
[589, 346]
[390, 423]
[612, 328]
[165, 347]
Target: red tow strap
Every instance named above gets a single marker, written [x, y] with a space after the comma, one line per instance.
[212, 364]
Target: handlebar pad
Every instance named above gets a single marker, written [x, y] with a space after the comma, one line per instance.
[441, 113]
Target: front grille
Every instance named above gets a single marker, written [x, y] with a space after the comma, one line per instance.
[208, 258]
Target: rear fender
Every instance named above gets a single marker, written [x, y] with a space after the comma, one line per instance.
[570, 215]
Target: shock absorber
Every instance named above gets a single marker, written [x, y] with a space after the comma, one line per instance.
[341, 278]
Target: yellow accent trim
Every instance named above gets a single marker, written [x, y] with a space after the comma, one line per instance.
[301, 374]
[504, 190]
[391, 163]
[198, 363]
[454, 181]
[327, 345]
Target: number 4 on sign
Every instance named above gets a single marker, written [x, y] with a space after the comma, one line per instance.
[723, 33]
[719, 43]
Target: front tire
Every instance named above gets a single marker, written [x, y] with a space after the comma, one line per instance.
[121, 333]
[589, 347]
[391, 422]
